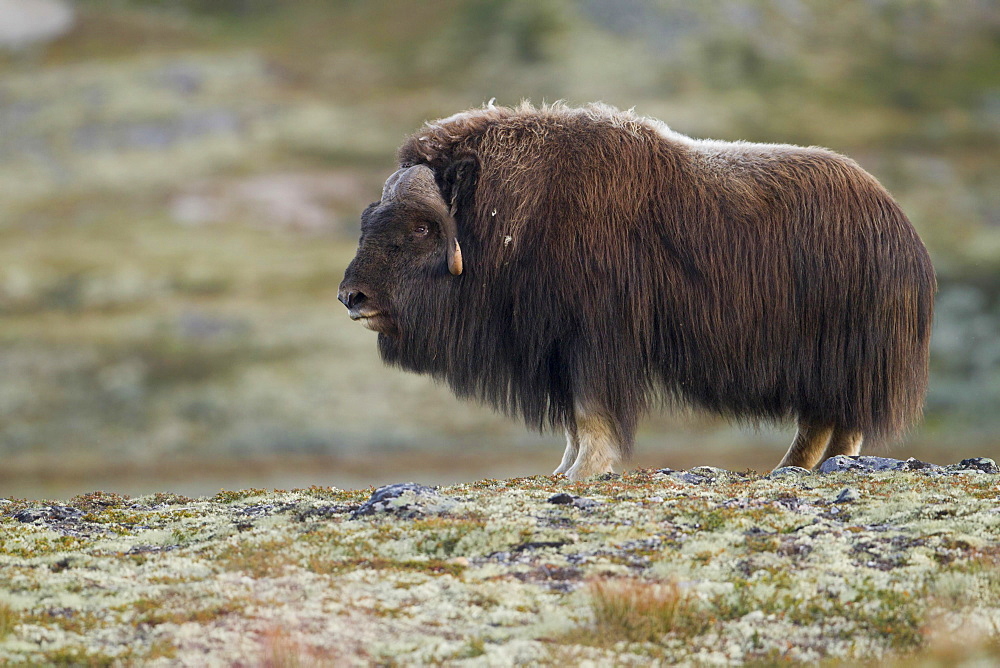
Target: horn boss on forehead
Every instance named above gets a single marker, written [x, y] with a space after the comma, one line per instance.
[417, 183]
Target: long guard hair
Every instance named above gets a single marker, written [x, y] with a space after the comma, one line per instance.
[612, 261]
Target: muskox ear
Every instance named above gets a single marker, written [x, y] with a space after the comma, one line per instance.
[417, 183]
[458, 187]
[458, 184]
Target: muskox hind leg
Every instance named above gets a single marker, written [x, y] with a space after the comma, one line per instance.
[843, 442]
[809, 445]
[596, 448]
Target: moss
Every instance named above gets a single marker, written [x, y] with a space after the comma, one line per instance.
[100, 501]
[238, 495]
[165, 499]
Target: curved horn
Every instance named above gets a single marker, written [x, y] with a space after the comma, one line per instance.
[417, 182]
[455, 252]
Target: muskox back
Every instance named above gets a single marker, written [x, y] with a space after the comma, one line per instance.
[610, 261]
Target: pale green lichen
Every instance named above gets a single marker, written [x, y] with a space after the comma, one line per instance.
[490, 573]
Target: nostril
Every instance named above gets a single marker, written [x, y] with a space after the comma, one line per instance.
[352, 298]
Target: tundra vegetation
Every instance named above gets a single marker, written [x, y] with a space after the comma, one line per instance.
[877, 562]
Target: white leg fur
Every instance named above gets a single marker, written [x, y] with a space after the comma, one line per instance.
[596, 448]
[569, 455]
[808, 446]
[843, 442]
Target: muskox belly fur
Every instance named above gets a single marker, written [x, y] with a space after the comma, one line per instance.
[575, 266]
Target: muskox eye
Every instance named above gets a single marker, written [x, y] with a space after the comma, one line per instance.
[420, 230]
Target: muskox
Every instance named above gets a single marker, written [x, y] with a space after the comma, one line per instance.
[575, 266]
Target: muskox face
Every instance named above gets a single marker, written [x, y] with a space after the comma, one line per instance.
[408, 236]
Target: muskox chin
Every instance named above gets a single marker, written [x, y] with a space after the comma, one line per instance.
[609, 262]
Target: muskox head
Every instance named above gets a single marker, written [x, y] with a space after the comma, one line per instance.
[410, 235]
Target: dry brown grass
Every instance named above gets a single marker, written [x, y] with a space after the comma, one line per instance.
[283, 648]
[639, 611]
[8, 619]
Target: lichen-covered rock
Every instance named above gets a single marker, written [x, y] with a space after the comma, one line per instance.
[685, 476]
[870, 464]
[568, 499]
[983, 464]
[648, 567]
[50, 513]
[789, 471]
[405, 498]
[847, 495]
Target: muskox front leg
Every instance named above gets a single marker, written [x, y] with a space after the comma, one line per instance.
[596, 446]
[569, 454]
[807, 448]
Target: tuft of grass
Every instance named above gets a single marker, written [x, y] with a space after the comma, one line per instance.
[281, 650]
[8, 619]
[639, 611]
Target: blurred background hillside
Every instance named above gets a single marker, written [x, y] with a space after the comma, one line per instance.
[180, 184]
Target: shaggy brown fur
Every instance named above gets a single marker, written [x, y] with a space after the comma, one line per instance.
[610, 261]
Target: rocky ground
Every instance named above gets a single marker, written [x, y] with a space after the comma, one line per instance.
[181, 183]
[868, 560]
